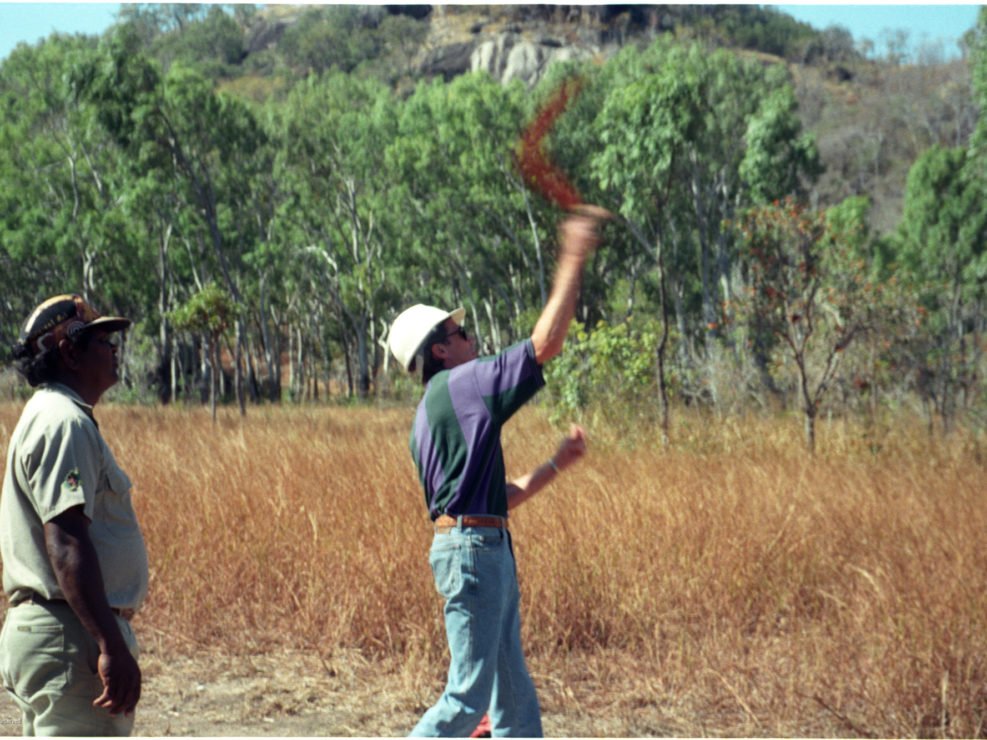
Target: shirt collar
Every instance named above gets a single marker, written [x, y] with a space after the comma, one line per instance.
[73, 396]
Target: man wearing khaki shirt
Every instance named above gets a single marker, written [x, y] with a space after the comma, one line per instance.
[74, 562]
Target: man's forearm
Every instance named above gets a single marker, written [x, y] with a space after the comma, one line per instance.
[552, 326]
[578, 239]
[523, 488]
[76, 567]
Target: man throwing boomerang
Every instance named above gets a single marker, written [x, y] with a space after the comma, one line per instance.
[455, 442]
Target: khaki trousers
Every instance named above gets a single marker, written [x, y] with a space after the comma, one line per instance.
[48, 664]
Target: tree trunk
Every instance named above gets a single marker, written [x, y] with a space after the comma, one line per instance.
[176, 368]
[663, 343]
[810, 430]
[238, 369]
[808, 407]
[539, 256]
[363, 363]
[166, 378]
[213, 351]
[348, 361]
[272, 357]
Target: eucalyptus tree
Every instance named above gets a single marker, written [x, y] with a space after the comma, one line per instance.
[687, 138]
[61, 179]
[339, 215]
[619, 280]
[942, 251]
[203, 147]
[478, 237]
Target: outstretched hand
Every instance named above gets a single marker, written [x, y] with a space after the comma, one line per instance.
[571, 448]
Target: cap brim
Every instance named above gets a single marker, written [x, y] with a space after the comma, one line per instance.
[109, 323]
[458, 315]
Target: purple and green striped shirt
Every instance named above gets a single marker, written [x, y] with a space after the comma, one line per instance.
[455, 440]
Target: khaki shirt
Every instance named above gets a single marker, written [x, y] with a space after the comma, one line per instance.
[57, 459]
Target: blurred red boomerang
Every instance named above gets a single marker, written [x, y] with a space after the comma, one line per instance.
[539, 173]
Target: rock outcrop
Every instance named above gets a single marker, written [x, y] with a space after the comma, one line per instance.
[522, 42]
[508, 56]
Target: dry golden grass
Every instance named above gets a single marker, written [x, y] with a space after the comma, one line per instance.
[730, 586]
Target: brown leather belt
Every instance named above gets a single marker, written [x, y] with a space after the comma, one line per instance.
[444, 521]
[39, 600]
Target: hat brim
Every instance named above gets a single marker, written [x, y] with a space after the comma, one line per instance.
[109, 324]
[458, 316]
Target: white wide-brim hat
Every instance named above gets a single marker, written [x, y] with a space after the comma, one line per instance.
[412, 327]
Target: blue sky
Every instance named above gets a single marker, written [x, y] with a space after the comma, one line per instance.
[31, 22]
[931, 23]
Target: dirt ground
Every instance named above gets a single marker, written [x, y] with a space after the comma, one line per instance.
[293, 693]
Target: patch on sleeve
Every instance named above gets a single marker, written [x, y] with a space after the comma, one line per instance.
[72, 480]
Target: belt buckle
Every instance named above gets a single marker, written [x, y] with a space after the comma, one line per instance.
[448, 524]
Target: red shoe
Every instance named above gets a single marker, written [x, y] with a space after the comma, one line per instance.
[484, 728]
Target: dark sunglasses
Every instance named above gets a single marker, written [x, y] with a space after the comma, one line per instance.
[458, 330]
[113, 342]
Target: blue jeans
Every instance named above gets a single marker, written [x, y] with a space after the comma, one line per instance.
[475, 573]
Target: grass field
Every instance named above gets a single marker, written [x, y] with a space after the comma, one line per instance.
[729, 586]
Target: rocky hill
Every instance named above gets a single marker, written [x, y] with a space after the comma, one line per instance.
[522, 41]
[871, 117]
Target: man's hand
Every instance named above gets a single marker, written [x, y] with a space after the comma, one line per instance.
[121, 677]
[571, 448]
[579, 234]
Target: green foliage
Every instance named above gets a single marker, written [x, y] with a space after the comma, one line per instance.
[977, 44]
[209, 311]
[765, 29]
[833, 45]
[323, 193]
[608, 371]
[780, 160]
[810, 293]
[941, 254]
[474, 235]
[978, 145]
[339, 37]
[215, 43]
[686, 137]
[943, 231]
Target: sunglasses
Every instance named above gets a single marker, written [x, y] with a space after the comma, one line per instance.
[458, 330]
[109, 342]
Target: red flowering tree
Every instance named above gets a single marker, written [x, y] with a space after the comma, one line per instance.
[809, 294]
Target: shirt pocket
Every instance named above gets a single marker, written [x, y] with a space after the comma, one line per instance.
[114, 477]
[113, 505]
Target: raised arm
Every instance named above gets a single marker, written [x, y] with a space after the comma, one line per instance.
[578, 238]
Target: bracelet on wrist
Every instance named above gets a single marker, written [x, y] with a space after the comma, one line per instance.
[553, 465]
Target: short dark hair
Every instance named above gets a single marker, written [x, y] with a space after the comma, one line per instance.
[38, 369]
[432, 365]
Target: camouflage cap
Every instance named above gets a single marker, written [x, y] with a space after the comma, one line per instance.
[64, 317]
